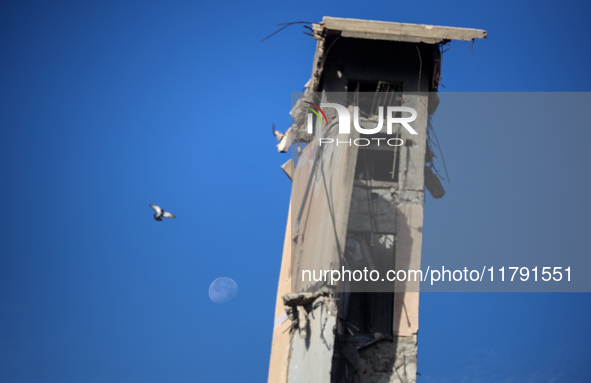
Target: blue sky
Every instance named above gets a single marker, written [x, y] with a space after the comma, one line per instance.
[106, 107]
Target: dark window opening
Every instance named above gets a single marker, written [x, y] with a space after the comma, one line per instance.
[369, 313]
[378, 161]
[379, 165]
[371, 95]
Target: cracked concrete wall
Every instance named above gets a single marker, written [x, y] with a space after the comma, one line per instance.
[383, 360]
[389, 362]
[312, 341]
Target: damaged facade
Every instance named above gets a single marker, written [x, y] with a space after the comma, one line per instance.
[358, 206]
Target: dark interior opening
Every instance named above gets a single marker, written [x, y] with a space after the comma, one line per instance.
[378, 165]
[371, 312]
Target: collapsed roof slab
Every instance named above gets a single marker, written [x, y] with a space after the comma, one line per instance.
[381, 30]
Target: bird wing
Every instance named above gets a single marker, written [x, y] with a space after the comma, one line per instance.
[156, 209]
[168, 215]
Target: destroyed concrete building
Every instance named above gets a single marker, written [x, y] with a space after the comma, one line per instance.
[358, 204]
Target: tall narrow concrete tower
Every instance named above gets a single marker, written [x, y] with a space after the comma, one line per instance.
[356, 213]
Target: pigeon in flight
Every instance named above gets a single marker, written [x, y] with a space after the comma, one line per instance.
[160, 213]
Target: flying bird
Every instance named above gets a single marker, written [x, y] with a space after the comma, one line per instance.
[161, 213]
